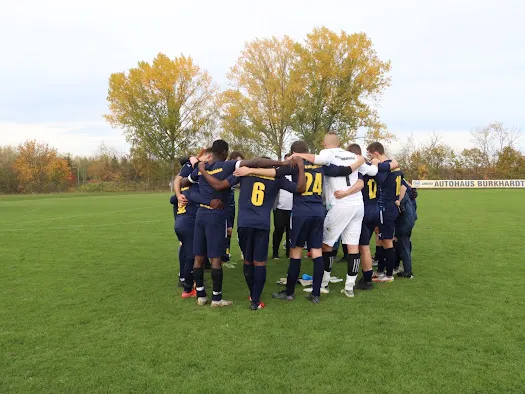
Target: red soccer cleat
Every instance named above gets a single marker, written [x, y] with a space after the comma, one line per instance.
[257, 307]
[190, 294]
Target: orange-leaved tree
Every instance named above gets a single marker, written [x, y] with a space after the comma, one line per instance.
[39, 169]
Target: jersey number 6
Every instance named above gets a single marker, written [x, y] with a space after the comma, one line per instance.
[258, 194]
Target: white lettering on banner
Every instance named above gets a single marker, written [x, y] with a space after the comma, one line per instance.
[468, 184]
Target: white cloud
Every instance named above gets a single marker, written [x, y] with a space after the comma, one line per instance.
[455, 64]
[74, 138]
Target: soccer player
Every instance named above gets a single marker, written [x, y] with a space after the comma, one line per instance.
[281, 219]
[370, 218]
[389, 184]
[211, 223]
[345, 214]
[306, 227]
[256, 200]
[231, 212]
[185, 208]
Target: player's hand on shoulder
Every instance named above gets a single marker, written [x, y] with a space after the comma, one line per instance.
[193, 160]
[375, 162]
[216, 204]
[242, 171]
[394, 164]
[202, 166]
[296, 161]
[360, 159]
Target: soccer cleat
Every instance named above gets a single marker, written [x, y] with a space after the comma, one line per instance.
[189, 294]
[202, 300]
[220, 303]
[377, 274]
[314, 299]
[283, 296]
[398, 270]
[383, 279]
[348, 292]
[405, 275]
[362, 285]
[257, 307]
[275, 256]
[324, 290]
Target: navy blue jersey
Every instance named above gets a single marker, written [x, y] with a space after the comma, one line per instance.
[309, 203]
[370, 191]
[219, 170]
[257, 197]
[389, 185]
[191, 207]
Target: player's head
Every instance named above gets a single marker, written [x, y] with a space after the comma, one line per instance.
[205, 155]
[299, 147]
[354, 148]
[331, 140]
[220, 149]
[183, 160]
[236, 156]
[375, 150]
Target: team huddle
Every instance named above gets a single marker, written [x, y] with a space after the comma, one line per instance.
[337, 196]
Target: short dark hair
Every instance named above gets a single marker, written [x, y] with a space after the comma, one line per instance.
[209, 150]
[183, 160]
[234, 155]
[219, 146]
[376, 147]
[299, 147]
[354, 148]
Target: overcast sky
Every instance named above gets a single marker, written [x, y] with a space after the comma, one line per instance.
[456, 65]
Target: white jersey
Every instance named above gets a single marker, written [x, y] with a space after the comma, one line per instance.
[341, 157]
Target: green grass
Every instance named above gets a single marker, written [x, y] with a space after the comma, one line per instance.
[88, 303]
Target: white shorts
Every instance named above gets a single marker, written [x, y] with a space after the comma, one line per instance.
[343, 221]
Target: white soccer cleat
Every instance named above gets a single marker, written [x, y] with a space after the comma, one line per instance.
[220, 303]
[202, 300]
[383, 279]
[324, 290]
[348, 292]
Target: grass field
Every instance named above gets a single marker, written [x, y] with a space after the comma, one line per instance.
[89, 303]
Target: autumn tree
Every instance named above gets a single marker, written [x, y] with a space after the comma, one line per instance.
[39, 169]
[164, 107]
[8, 179]
[257, 111]
[342, 79]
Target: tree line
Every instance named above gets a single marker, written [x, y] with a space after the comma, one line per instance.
[278, 90]
[35, 167]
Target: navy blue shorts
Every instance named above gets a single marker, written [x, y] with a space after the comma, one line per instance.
[370, 222]
[185, 235]
[254, 243]
[209, 238]
[387, 220]
[307, 229]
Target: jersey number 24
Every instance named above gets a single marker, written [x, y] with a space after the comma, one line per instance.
[317, 187]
